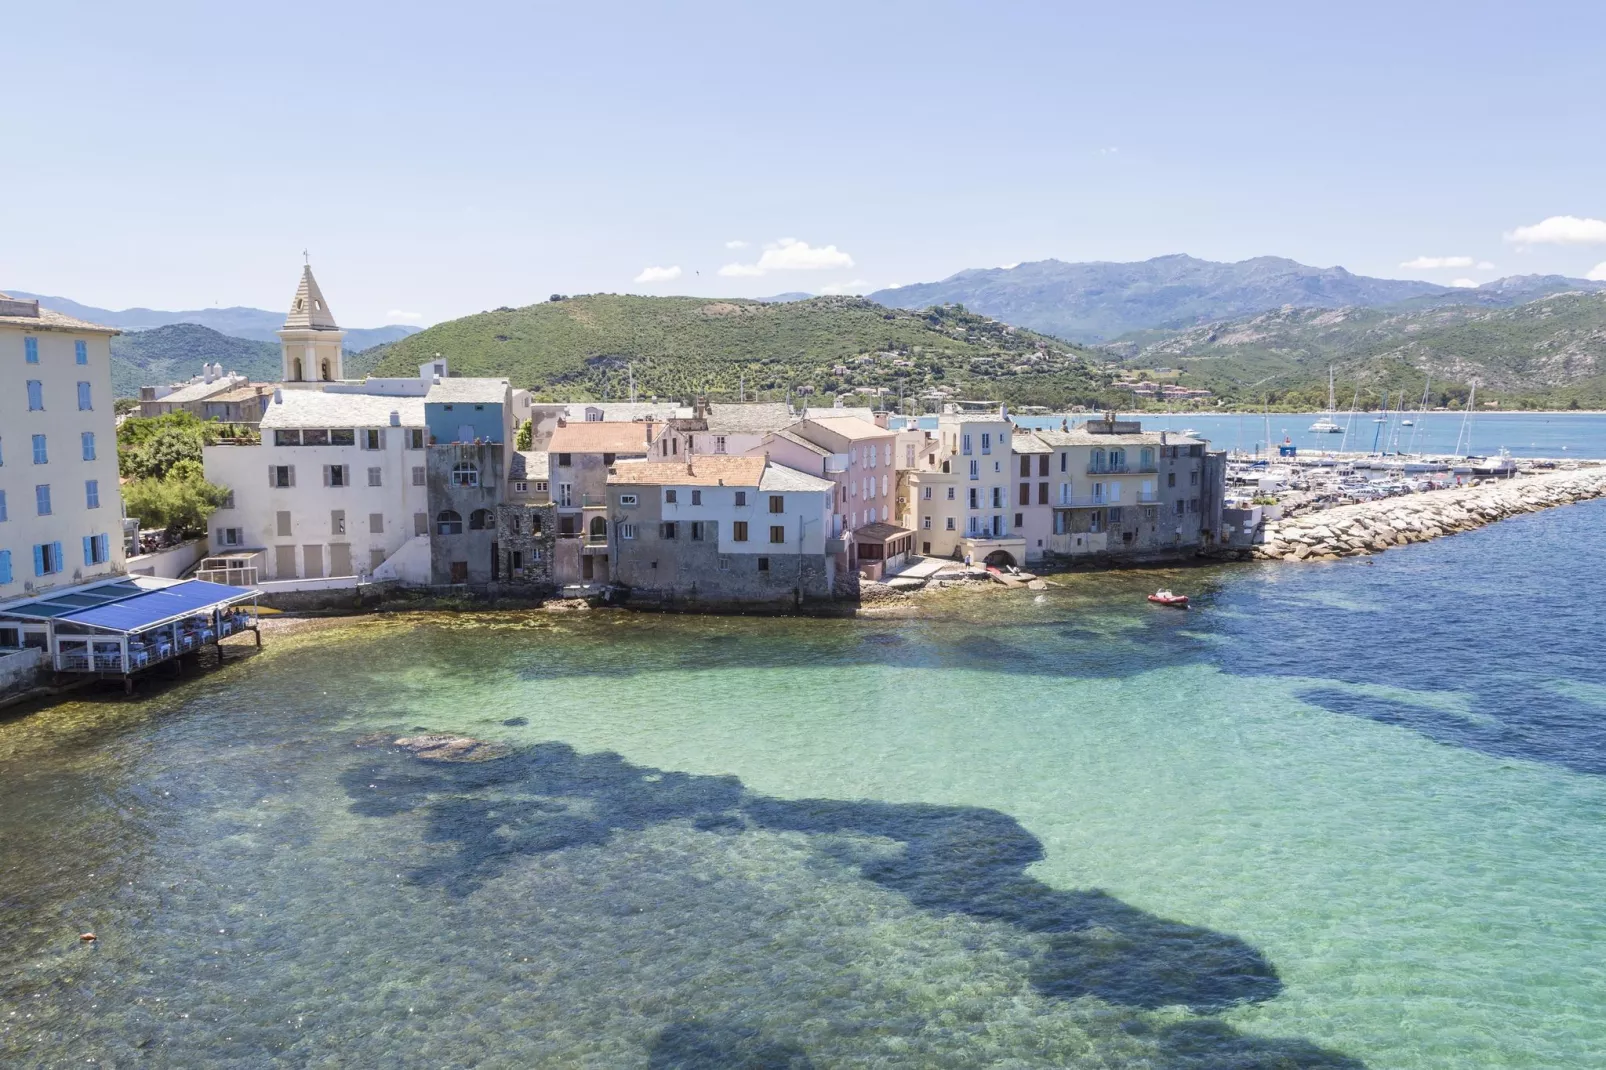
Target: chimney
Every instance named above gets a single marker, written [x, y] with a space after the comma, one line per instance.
[562, 422]
[689, 469]
[278, 396]
[395, 418]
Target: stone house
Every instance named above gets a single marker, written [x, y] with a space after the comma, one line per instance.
[579, 457]
[721, 530]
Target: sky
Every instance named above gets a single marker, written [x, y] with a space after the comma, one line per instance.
[436, 160]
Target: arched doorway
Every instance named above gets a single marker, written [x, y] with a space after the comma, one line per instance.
[326, 376]
[1000, 559]
[295, 370]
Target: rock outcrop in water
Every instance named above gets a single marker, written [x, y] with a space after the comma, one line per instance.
[1372, 527]
[438, 748]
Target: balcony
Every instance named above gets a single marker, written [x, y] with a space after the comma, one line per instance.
[1085, 501]
[1147, 497]
[836, 463]
[1108, 469]
[593, 501]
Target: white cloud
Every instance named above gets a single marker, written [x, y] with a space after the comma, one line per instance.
[1009, 267]
[1484, 265]
[1561, 230]
[1111, 151]
[658, 274]
[1597, 273]
[1424, 263]
[1465, 284]
[856, 286]
[899, 285]
[789, 254]
[736, 243]
[398, 314]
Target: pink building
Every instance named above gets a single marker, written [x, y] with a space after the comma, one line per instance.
[859, 457]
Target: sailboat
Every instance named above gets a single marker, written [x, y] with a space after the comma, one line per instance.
[1327, 425]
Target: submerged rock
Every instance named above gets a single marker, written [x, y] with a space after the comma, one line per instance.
[441, 748]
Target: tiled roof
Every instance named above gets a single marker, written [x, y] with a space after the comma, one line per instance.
[199, 391]
[1078, 437]
[826, 412]
[47, 320]
[812, 447]
[601, 437]
[1023, 442]
[477, 391]
[315, 408]
[849, 427]
[879, 532]
[697, 472]
[754, 419]
[623, 411]
[243, 392]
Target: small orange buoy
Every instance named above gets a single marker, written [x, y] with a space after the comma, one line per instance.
[87, 938]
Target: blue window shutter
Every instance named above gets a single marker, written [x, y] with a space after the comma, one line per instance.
[89, 550]
[39, 560]
[60, 561]
[105, 547]
[30, 348]
[5, 566]
[81, 352]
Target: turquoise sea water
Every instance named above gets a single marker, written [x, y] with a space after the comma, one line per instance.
[1341, 815]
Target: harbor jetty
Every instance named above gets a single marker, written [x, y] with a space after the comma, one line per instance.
[1375, 526]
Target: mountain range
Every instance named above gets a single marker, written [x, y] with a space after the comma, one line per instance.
[176, 351]
[1099, 301]
[238, 322]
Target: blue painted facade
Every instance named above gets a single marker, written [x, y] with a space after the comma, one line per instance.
[448, 420]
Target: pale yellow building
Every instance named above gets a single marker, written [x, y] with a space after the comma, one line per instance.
[60, 509]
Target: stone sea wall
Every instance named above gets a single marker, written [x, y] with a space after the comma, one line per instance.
[1372, 527]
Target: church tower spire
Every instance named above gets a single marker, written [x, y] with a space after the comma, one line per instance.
[310, 342]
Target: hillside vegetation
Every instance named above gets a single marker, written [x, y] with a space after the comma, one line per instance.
[1549, 353]
[588, 347]
[175, 353]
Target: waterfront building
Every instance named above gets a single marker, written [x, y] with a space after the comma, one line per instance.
[61, 514]
[720, 529]
[960, 490]
[470, 427]
[858, 457]
[1034, 517]
[579, 457]
[1117, 489]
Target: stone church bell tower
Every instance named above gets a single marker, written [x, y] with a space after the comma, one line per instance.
[311, 350]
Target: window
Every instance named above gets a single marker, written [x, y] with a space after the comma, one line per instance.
[521, 486]
[975, 496]
[975, 469]
[448, 522]
[315, 436]
[1150, 512]
[1181, 505]
[697, 497]
[975, 526]
[1170, 479]
[565, 494]
[84, 402]
[777, 503]
[480, 519]
[1026, 494]
[763, 564]
[86, 441]
[376, 523]
[2, 506]
[36, 395]
[998, 497]
[1193, 505]
[696, 531]
[739, 531]
[1019, 521]
[420, 523]
[41, 499]
[1025, 464]
[666, 530]
[373, 439]
[418, 475]
[1193, 479]
[415, 438]
[669, 497]
[599, 529]
[627, 531]
[909, 455]
[465, 475]
[986, 442]
[1146, 459]
[627, 499]
[925, 522]
[563, 460]
[282, 526]
[777, 533]
[513, 523]
[607, 460]
[948, 524]
[925, 494]
[951, 493]
[336, 475]
[30, 349]
[80, 352]
[1063, 458]
[719, 443]
[41, 455]
[967, 444]
[47, 559]
[375, 477]
[1042, 494]
[281, 475]
[540, 486]
[91, 494]
[724, 563]
[337, 521]
[287, 438]
[741, 497]
[1115, 514]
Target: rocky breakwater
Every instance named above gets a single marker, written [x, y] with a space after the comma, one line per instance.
[1372, 527]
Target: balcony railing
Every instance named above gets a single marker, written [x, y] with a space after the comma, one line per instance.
[593, 501]
[1107, 469]
[1084, 501]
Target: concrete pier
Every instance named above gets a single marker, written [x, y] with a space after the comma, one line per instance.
[1372, 527]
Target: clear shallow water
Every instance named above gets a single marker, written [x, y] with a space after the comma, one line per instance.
[1337, 816]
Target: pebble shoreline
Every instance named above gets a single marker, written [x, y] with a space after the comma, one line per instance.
[1372, 527]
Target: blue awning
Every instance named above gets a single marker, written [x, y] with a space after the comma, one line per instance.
[147, 610]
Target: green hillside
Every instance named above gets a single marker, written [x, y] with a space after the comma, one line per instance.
[586, 348]
[176, 352]
[1549, 353]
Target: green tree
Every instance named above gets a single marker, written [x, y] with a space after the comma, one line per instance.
[526, 436]
[178, 506]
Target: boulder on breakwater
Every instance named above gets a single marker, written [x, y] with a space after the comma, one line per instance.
[1372, 527]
